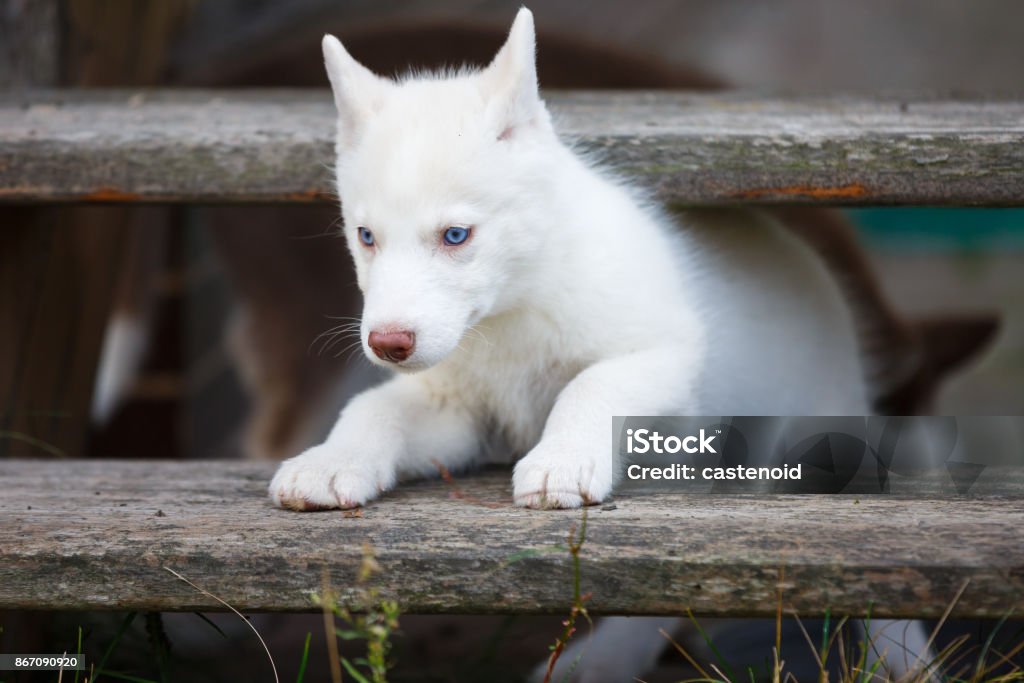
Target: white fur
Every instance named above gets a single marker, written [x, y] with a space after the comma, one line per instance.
[571, 302]
[124, 345]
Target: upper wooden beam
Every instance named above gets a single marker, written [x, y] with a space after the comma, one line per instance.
[276, 146]
[81, 534]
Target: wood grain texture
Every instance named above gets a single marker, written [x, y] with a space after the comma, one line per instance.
[57, 276]
[30, 36]
[252, 146]
[97, 535]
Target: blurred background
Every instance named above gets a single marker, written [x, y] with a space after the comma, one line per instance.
[206, 327]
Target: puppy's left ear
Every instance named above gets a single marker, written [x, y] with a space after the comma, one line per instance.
[510, 81]
[358, 92]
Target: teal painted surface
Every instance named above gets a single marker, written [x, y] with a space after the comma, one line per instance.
[939, 229]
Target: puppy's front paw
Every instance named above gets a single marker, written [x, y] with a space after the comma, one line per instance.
[323, 478]
[549, 477]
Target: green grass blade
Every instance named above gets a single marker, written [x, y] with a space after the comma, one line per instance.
[824, 635]
[78, 651]
[980, 670]
[34, 442]
[348, 634]
[868, 643]
[528, 553]
[129, 618]
[305, 659]
[874, 669]
[711, 646]
[353, 671]
[211, 624]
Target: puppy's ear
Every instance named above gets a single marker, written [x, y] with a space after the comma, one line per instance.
[510, 81]
[358, 92]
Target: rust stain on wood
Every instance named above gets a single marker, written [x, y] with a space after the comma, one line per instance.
[840, 192]
[111, 194]
[308, 196]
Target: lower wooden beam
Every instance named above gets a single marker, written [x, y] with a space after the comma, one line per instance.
[101, 535]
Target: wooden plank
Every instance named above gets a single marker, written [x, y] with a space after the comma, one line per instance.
[30, 33]
[113, 43]
[250, 146]
[97, 535]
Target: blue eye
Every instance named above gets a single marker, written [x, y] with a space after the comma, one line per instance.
[456, 235]
[366, 237]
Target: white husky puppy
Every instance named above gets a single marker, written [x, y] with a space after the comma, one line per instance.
[521, 295]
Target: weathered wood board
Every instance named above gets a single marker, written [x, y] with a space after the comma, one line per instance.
[83, 534]
[251, 146]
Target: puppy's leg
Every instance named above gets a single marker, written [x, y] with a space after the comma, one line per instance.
[572, 465]
[902, 645]
[397, 429]
[620, 649]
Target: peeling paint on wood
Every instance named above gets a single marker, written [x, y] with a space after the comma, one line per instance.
[91, 534]
[276, 146]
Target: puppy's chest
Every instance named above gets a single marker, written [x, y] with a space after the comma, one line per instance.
[514, 389]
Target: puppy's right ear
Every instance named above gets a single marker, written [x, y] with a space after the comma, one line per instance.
[358, 92]
[510, 81]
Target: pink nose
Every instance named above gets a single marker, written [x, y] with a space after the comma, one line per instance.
[393, 345]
